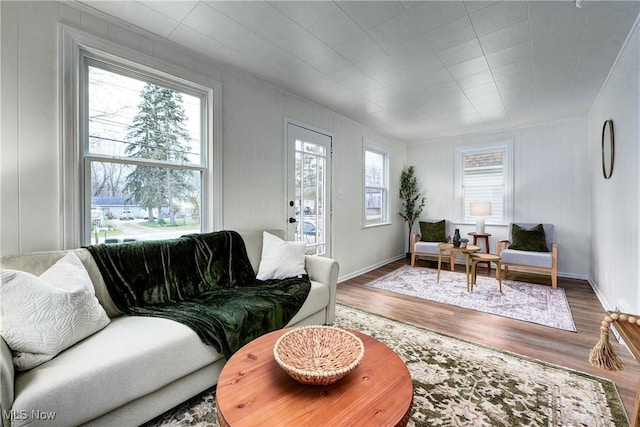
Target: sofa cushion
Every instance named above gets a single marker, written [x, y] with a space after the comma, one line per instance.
[281, 259]
[532, 239]
[318, 299]
[433, 231]
[427, 247]
[41, 316]
[534, 259]
[128, 359]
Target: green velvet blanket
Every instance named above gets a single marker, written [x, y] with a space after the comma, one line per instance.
[204, 281]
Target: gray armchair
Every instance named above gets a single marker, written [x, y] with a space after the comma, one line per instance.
[429, 248]
[529, 259]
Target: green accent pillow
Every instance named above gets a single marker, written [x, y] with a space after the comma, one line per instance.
[433, 231]
[528, 240]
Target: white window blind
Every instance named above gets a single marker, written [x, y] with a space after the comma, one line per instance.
[483, 175]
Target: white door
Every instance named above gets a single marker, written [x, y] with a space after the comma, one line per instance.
[309, 188]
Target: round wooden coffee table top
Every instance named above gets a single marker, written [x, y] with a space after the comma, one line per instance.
[254, 391]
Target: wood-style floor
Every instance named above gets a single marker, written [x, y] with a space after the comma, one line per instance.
[540, 342]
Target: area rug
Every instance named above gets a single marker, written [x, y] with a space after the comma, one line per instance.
[459, 383]
[529, 302]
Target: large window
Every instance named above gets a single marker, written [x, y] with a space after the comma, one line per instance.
[143, 150]
[376, 183]
[483, 174]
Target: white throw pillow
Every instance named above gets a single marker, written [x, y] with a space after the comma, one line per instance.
[41, 316]
[280, 259]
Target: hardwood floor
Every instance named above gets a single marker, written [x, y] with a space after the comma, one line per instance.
[539, 342]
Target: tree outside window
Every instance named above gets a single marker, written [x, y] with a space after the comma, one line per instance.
[143, 155]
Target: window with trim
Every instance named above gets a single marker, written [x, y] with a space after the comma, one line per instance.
[144, 149]
[376, 186]
[483, 174]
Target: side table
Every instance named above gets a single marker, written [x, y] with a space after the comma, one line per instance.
[485, 237]
[444, 247]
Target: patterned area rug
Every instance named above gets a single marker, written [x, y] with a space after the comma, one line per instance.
[458, 383]
[529, 302]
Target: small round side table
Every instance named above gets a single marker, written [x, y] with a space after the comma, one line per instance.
[482, 236]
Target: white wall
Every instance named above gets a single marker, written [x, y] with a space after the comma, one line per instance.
[615, 202]
[253, 157]
[551, 174]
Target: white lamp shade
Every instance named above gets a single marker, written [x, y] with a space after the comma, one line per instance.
[480, 210]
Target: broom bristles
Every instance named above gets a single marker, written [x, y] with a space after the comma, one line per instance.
[604, 356]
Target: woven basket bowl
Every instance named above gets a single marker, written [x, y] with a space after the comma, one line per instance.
[318, 355]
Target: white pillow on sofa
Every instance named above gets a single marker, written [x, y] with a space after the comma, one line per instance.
[280, 259]
[41, 316]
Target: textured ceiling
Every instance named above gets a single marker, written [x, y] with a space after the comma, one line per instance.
[413, 70]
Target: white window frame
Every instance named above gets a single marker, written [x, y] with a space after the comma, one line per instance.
[74, 45]
[506, 146]
[368, 146]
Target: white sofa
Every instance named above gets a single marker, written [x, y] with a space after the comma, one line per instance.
[135, 368]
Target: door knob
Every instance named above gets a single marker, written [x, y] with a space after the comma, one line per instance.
[292, 220]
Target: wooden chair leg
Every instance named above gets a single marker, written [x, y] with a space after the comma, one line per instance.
[498, 275]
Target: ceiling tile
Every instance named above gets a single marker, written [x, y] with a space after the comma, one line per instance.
[411, 50]
[498, 16]
[511, 54]
[249, 43]
[392, 33]
[304, 13]
[468, 68]
[474, 6]
[515, 82]
[211, 23]
[242, 12]
[376, 64]
[281, 31]
[329, 62]
[334, 28]
[461, 53]
[570, 36]
[392, 76]
[434, 78]
[368, 14]
[505, 38]
[358, 48]
[423, 65]
[140, 15]
[451, 35]
[513, 69]
[559, 18]
[481, 90]
[475, 79]
[429, 16]
[176, 10]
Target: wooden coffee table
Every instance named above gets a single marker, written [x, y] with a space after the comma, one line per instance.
[254, 391]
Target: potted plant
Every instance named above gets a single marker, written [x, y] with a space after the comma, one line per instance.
[412, 201]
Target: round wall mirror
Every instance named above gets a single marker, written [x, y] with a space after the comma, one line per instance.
[608, 149]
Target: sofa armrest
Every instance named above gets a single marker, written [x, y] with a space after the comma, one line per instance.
[324, 270]
[415, 238]
[7, 373]
[502, 244]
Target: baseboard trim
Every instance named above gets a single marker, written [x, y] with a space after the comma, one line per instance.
[369, 268]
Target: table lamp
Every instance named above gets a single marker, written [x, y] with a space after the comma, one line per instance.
[480, 210]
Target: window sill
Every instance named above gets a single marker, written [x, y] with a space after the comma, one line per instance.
[379, 224]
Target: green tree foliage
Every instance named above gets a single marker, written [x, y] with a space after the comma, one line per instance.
[412, 202]
[158, 132]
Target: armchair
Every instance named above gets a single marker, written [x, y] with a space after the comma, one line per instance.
[532, 249]
[425, 244]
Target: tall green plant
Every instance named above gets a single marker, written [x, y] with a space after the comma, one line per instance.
[412, 201]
